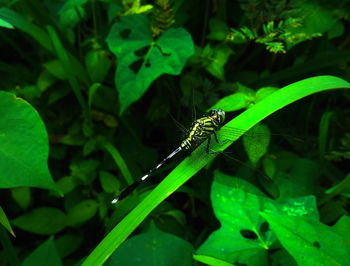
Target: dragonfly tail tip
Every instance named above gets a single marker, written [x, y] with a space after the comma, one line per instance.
[114, 201]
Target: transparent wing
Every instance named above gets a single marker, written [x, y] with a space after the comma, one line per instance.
[266, 182]
[232, 133]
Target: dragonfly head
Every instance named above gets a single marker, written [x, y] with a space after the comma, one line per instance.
[219, 113]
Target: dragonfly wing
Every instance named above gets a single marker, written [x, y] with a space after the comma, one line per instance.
[255, 141]
[233, 133]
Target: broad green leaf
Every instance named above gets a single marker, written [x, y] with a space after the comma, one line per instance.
[67, 244]
[269, 167]
[87, 128]
[153, 248]
[82, 212]
[109, 182]
[85, 170]
[218, 30]
[58, 94]
[45, 254]
[45, 80]
[342, 228]
[199, 159]
[22, 196]
[97, 65]
[110, 121]
[29, 92]
[114, 10]
[55, 68]
[89, 147]
[282, 257]
[24, 145]
[42, 221]
[70, 17]
[257, 143]
[302, 206]
[207, 260]
[5, 222]
[309, 241]
[5, 24]
[141, 59]
[71, 13]
[217, 58]
[264, 92]
[66, 184]
[331, 210]
[233, 102]
[236, 101]
[243, 236]
[316, 20]
[237, 204]
[317, 17]
[337, 30]
[300, 180]
[72, 4]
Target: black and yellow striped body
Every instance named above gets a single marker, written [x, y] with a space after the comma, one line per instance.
[203, 128]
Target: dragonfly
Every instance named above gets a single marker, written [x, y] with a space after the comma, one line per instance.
[201, 130]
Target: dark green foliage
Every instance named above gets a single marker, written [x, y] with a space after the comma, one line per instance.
[89, 93]
[154, 248]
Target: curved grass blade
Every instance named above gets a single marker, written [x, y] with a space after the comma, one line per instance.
[196, 161]
[119, 161]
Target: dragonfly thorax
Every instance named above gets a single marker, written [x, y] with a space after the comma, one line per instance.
[203, 128]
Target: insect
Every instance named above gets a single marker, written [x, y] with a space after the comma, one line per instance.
[202, 129]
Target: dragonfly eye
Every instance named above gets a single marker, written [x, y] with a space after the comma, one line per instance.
[221, 115]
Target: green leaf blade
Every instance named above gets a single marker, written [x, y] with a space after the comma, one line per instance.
[141, 59]
[24, 145]
[45, 254]
[316, 239]
[5, 222]
[82, 212]
[43, 221]
[154, 248]
[237, 204]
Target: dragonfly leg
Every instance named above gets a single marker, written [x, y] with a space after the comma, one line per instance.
[208, 145]
[216, 137]
[220, 142]
[208, 151]
[217, 140]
